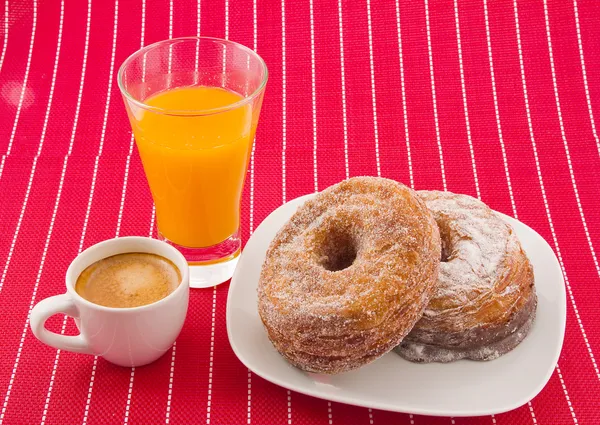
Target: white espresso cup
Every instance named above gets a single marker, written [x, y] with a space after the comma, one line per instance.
[132, 336]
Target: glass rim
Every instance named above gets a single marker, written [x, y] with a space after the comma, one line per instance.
[191, 112]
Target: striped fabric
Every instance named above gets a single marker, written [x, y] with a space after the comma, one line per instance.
[498, 99]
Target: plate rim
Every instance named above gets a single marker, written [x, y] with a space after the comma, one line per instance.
[386, 406]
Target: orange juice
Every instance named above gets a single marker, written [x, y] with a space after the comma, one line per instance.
[195, 164]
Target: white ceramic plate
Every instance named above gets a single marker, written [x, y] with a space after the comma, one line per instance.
[462, 388]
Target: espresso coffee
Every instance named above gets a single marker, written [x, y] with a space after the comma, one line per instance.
[128, 280]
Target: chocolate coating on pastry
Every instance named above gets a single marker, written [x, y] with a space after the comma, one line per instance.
[485, 302]
[349, 275]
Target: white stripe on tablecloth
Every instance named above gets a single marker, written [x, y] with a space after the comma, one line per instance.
[58, 196]
[533, 418]
[373, 95]
[124, 190]
[464, 96]
[153, 216]
[174, 349]
[5, 45]
[313, 91]
[93, 185]
[170, 37]
[433, 98]
[404, 106]
[343, 78]
[289, 407]
[375, 128]
[255, 47]
[496, 108]
[129, 394]
[198, 20]
[564, 387]
[31, 176]
[545, 199]
[283, 112]
[212, 352]
[198, 14]
[249, 418]
[583, 73]
[142, 42]
[171, 377]
[226, 19]
[284, 104]
[253, 142]
[23, 88]
[214, 301]
[122, 205]
[313, 79]
[566, 145]
[170, 22]
[283, 147]
[128, 162]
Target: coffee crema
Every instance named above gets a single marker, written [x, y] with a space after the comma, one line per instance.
[126, 280]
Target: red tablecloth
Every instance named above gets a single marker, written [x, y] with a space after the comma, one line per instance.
[499, 99]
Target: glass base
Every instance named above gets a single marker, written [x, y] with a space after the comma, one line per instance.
[213, 265]
[205, 276]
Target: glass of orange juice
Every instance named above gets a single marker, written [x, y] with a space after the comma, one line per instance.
[194, 104]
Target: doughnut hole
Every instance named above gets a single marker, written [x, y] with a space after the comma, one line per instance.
[447, 245]
[337, 251]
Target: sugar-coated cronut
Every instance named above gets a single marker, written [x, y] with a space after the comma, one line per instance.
[349, 275]
[485, 301]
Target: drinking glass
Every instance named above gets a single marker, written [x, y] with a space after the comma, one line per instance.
[194, 104]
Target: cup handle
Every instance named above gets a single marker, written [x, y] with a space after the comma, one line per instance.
[49, 307]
